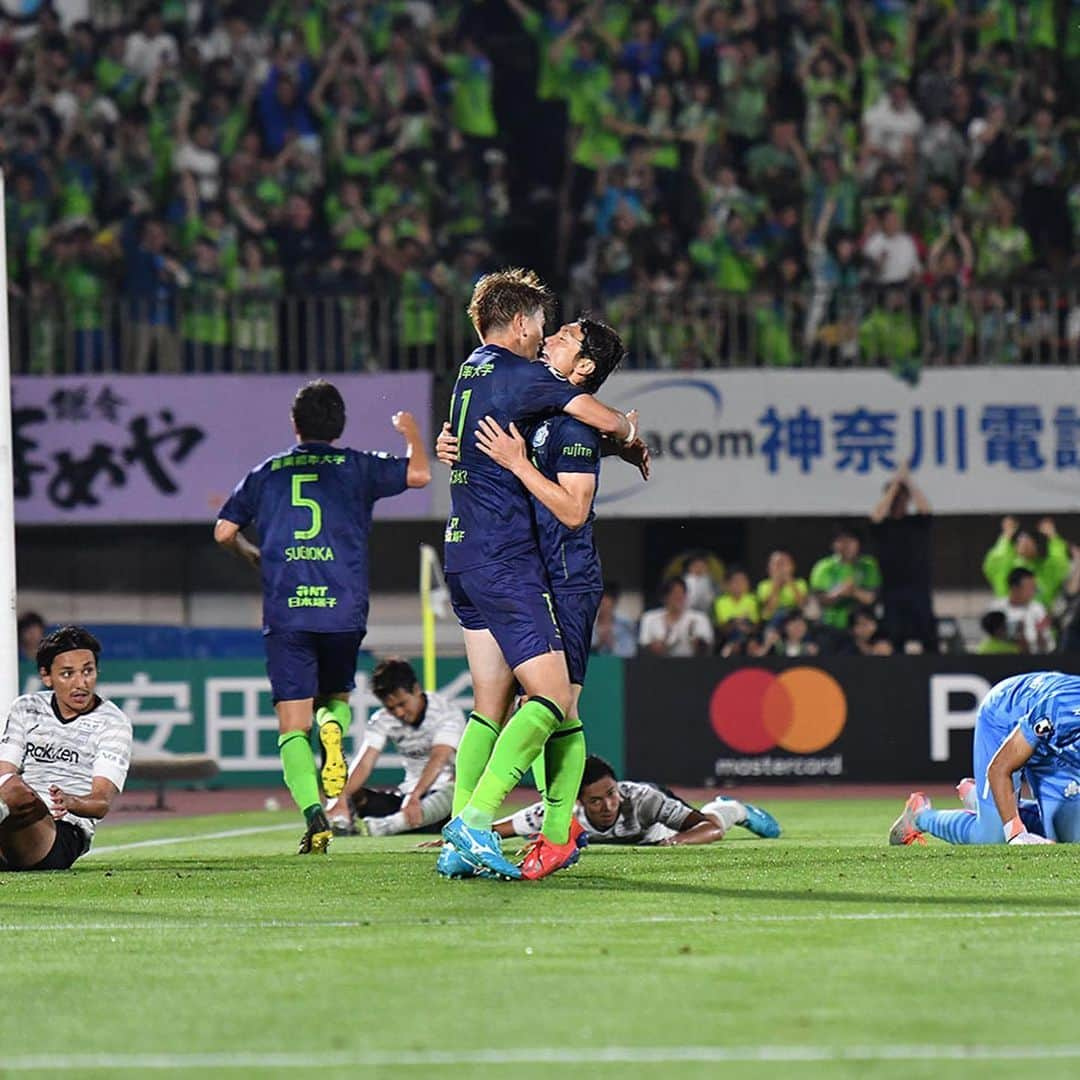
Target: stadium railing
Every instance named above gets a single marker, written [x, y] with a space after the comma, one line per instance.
[692, 328]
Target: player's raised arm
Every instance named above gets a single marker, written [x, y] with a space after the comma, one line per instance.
[419, 472]
[1012, 755]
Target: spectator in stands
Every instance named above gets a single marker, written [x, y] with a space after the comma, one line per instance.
[1028, 623]
[1043, 552]
[613, 634]
[736, 613]
[781, 592]
[889, 335]
[892, 252]
[866, 640]
[700, 585]
[996, 640]
[1070, 620]
[31, 629]
[792, 639]
[675, 630]
[903, 542]
[845, 580]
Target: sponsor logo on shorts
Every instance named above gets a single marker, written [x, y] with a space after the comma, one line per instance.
[51, 753]
[801, 711]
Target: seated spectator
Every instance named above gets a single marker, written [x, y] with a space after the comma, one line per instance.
[1044, 553]
[781, 592]
[845, 580]
[675, 630]
[736, 612]
[613, 634]
[1027, 621]
[997, 642]
[788, 636]
[700, 586]
[865, 636]
[31, 629]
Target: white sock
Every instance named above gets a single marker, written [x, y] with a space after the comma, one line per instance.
[727, 811]
[390, 825]
[4, 811]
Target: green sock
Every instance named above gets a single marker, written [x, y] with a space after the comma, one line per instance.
[539, 769]
[564, 764]
[298, 763]
[473, 753]
[337, 711]
[518, 745]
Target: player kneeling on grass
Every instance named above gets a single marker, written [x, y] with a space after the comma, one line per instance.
[64, 756]
[611, 811]
[425, 729]
[1027, 726]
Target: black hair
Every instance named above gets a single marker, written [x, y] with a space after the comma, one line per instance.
[1017, 576]
[391, 675]
[65, 639]
[603, 346]
[596, 768]
[665, 589]
[993, 623]
[864, 611]
[318, 412]
[28, 619]
[847, 530]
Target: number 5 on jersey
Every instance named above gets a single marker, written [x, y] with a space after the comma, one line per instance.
[305, 503]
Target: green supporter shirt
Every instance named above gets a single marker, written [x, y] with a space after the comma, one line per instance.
[1003, 25]
[549, 81]
[832, 571]
[728, 270]
[84, 292]
[876, 76]
[254, 294]
[774, 344]
[1050, 571]
[471, 106]
[1003, 250]
[890, 335]
[792, 595]
[205, 317]
[996, 647]
[727, 608]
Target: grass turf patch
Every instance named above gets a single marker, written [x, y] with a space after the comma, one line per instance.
[824, 953]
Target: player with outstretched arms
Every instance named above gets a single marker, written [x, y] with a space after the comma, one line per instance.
[495, 574]
[1028, 725]
[611, 811]
[562, 476]
[64, 756]
[425, 729]
[312, 507]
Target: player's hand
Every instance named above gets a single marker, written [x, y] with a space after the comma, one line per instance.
[447, 449]
[504, 448]
[414, 815]
[61, 802]
[1029, 838]
[1048, 528]
[429, 845]
[253, 555]
[405, 422]
[1009, 526]
[637, 453]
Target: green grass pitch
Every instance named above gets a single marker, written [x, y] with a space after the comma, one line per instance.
[823, 954]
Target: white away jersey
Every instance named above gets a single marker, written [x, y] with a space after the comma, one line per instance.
[69, 754]
[441, 725]
[646, 815]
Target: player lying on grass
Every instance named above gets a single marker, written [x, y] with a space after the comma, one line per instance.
[561, 477]
[64, 756]
[312, 506]
[612, 811]
[1027, 726]
[494, 572]
[425, 729]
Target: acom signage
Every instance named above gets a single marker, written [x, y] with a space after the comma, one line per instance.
[904, 718]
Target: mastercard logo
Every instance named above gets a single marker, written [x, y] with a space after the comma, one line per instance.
[801, 710]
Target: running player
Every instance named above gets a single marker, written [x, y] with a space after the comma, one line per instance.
[495, 574]
[64, 756]
[562, 478]
[312, 508]
[425, 729]
[1026, 724]
[611, 811]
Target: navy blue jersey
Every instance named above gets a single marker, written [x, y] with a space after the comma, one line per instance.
[490, 516]
[565, 445]
[312, 508]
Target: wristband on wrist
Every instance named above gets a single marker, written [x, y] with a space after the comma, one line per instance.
[1013, 828]
[633, 432]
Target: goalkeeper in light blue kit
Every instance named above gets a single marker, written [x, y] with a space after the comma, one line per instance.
[1027, 724]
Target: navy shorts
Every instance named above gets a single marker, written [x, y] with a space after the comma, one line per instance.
[305, 664]
[576, 613]
[512, 600]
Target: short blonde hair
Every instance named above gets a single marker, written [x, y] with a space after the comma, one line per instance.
[499, 297]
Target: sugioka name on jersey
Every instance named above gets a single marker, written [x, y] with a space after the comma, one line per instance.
[306, 553]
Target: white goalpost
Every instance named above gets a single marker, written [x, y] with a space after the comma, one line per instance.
[9, 640]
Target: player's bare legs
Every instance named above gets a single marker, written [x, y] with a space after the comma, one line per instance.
[298, 763]
[27, 829]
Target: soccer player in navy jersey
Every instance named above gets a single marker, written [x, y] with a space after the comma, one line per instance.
[495, 574]
[312, 505]
[562, 477]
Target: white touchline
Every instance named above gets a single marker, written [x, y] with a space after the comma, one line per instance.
[426, 925]
[541, 1055]
[166, 840]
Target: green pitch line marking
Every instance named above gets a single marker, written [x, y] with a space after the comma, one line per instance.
[598, 1055]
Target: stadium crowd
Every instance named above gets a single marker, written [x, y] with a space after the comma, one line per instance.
[767, 181]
